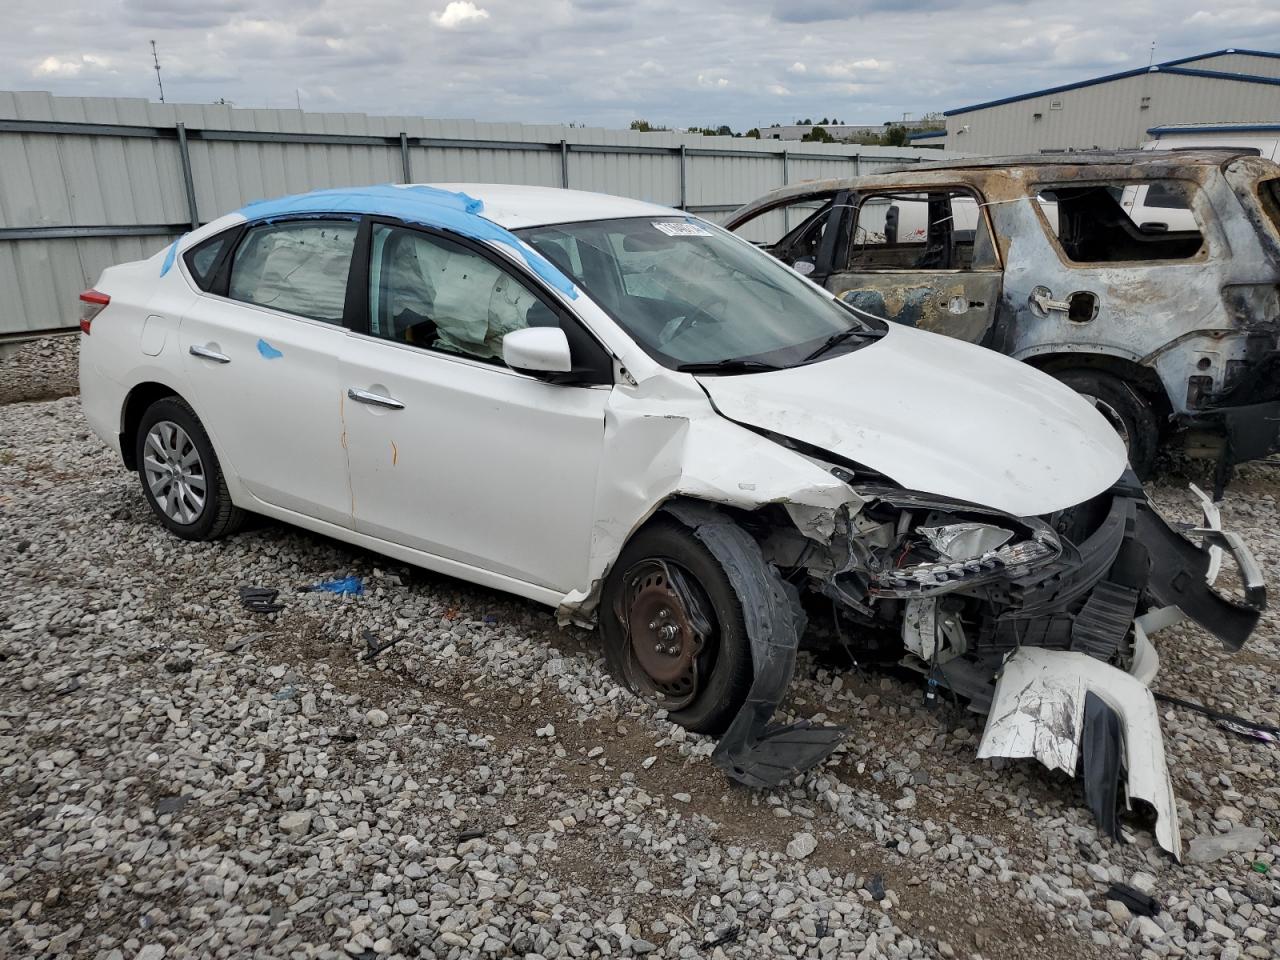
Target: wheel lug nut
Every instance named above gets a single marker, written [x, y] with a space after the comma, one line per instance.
[673, 650]
[658, 648]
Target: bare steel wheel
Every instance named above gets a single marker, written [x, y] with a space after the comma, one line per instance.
[175, 473]
[672, 628]
[667, 629]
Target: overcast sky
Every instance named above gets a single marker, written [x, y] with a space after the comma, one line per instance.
[606, 62]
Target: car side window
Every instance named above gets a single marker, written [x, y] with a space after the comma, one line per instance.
[933, 230]
[298, 266]
[431, 292]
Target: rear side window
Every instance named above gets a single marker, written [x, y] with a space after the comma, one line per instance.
[202, 261]
[298, 267]
[1123, 222]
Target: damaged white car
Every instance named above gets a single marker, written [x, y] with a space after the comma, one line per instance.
[631, 415]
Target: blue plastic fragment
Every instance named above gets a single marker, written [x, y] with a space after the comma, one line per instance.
[416, 203]
[351, 584]
[268, 351]
[169, 256]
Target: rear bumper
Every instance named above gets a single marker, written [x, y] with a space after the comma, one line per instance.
[1251, 431]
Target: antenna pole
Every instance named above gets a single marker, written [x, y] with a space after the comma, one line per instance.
[1152, 58]
[156, 58]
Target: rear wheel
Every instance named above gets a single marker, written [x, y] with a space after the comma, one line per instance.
[1125, 408]
[180, 474]
[673, 630]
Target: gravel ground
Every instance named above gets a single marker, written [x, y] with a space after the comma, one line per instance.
[40, 370]
[180, 777]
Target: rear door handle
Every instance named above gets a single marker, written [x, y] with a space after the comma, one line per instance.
[375, 399]
[205, 353]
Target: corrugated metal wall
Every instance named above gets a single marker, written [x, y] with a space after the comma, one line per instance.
[76, 199]
[1114, 114]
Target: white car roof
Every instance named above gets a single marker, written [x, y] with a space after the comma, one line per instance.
[514, 205]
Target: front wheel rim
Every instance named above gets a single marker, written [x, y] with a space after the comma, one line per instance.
[174, 472]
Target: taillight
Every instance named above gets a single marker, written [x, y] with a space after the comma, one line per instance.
[91, 304]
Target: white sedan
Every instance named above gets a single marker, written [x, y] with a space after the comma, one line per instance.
[626, 413]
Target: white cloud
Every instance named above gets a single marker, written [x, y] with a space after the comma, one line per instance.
[459, 13]
[71, 67]
[797, 67]
[778, 90]
[1235, 17]
[717, 83]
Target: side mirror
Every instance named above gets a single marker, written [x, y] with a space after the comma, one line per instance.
[537, 350]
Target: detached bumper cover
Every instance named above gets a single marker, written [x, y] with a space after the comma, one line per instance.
[1059, 706]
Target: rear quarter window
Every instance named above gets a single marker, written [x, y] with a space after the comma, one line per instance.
[203, 260]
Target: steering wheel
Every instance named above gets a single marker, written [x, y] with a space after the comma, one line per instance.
[678, 325]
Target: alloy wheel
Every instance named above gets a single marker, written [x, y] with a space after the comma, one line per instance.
[174, 472]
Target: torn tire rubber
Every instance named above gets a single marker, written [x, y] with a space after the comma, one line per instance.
[216, 516]
[1125, 408]
[722, 664]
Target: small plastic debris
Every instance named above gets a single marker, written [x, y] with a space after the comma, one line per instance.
[727, 935]
[473, 834]
[351, 584]
[1254, 733]
[490, 618]
[373, 646]
[1139, 903]
[260, 599]
[171, 804]
[288, 693]
[1260, 867]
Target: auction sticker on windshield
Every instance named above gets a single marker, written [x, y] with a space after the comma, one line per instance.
[676, 228]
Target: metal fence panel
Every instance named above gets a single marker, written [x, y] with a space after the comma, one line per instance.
[86, 182]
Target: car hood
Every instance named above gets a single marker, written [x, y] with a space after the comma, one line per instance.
[939, 416]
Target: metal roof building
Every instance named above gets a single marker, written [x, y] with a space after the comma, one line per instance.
[1117, 110]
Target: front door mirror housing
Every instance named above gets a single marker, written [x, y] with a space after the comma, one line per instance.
[537, 351]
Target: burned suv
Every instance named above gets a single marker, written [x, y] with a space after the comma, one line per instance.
[1145, 280]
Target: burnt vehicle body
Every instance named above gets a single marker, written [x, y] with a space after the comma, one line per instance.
[1149, 281]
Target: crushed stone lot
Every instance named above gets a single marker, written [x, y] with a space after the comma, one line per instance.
[182, 777]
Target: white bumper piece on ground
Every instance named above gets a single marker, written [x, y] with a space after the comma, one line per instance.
[1039, 711]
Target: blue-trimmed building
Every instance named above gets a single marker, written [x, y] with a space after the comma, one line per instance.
[1117, 110]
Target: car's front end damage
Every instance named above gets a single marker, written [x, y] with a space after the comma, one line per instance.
[1041, 622]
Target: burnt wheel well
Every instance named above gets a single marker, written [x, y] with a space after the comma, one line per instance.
[1143, 379]
[135, 405]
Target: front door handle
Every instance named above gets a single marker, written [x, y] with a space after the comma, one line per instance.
[376, 399]
[205, 353]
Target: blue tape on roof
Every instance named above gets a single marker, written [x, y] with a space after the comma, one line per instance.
[429, 206]
[169, 256]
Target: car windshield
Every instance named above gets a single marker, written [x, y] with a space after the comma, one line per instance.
[698, 298]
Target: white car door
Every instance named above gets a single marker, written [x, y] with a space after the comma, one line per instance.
[450, 451]
[262, 365]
